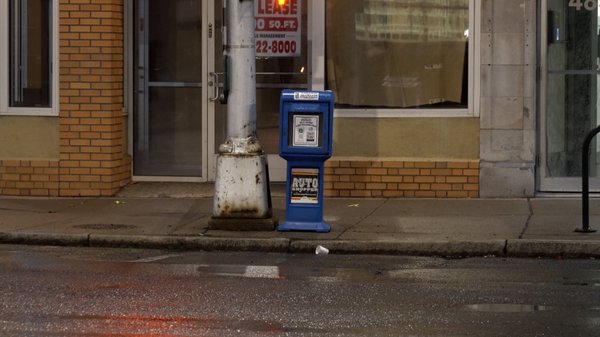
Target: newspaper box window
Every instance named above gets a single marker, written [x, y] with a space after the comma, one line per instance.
[306, 122]
[306, 130]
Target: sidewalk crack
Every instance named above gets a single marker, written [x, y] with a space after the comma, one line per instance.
[528, 218]
[362, 219]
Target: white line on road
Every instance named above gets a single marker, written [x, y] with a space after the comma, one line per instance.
[155, 258]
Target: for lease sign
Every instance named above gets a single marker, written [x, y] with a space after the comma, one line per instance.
[278, 28]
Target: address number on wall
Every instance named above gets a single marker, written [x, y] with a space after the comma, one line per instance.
[589, 5]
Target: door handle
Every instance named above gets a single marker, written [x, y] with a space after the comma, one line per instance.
[215, 77]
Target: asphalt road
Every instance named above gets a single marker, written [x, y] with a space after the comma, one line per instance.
[50, 291]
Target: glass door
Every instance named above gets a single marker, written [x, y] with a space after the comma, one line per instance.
[170, 113]
[569, 102]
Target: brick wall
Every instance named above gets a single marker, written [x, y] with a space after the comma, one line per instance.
[29, 177]
[412, 179]
[93, 159]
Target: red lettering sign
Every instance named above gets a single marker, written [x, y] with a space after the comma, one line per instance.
[278, 28]
[271, 7]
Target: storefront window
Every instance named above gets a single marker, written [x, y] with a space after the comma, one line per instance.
[398, 53]
[30, 53]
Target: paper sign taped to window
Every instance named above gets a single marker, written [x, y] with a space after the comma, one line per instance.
[278, 28]
[306, 130]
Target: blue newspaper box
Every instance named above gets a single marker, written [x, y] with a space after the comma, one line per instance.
[305, 141]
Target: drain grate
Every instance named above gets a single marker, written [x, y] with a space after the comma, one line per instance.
[104, 226]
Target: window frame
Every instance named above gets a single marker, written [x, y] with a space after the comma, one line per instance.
[5, 109]
[318, 79]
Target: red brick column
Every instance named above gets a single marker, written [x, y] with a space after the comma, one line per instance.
[93, 154]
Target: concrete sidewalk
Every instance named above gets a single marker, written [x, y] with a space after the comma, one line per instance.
[175, 216]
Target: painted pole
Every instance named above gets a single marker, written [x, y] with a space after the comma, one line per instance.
[242, 198]
[240, 49]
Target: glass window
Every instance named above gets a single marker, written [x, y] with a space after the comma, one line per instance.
[572, 105]
[30, 53]
[398, 53]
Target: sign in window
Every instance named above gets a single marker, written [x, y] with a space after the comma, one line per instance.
[278, 28]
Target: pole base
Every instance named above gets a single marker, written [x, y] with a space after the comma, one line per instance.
[319, 227]
[584, 230]
[242, 187]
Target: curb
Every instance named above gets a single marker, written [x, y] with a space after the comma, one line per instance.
[147, 241]
[553, 248]
[422, 248]
[51, 239]
[278, 245]
[508, 248]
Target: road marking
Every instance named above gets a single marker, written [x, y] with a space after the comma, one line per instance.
[261, 272]
[155, 258]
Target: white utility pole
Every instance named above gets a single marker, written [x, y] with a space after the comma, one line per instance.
[242, 199]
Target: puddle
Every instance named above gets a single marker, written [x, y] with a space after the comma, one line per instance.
[508, 308]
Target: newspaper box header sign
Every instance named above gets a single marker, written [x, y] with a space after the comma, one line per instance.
[278, 28]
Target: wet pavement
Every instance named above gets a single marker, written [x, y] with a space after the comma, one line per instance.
[67, 291]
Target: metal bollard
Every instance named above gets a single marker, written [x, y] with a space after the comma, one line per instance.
[585, 183]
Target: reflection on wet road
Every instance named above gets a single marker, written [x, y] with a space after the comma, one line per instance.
[49, 291]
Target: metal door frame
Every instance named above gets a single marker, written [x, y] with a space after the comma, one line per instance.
[207, 8]
[545, 184]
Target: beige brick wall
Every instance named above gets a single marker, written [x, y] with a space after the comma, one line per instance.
[411, 179]
[29, 178]
[92, 158]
